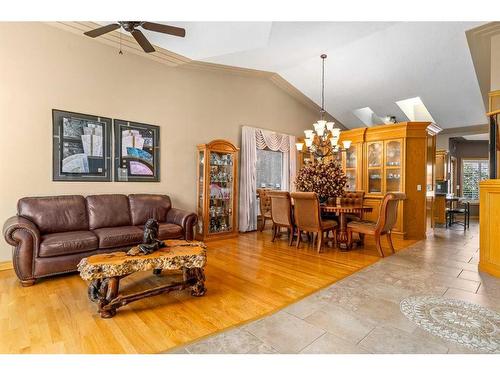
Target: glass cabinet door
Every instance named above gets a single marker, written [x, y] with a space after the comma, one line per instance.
[350, 164]
[393, 153]
[375, 151]
[375, 180]
[220, 208]
[351, 157]
[351, 180]
[393, 166]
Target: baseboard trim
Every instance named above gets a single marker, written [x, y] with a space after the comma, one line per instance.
[7, 265]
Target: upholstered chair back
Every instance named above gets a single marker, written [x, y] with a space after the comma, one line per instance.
[265, 201]
[307, 211]
[281, 207]
[389, 212]
[353, 197]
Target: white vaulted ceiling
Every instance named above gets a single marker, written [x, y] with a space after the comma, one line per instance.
[370, 64]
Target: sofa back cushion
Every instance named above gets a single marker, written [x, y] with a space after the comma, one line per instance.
[56, 214]
[108, 210]
[146, 206]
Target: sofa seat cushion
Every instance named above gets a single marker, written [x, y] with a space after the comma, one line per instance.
[118, 236]
[167, 231]
[65, 243]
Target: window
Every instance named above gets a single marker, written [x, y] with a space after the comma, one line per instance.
[269, 169]
[473, 172]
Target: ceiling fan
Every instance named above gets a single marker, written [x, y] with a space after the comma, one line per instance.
[132, 28]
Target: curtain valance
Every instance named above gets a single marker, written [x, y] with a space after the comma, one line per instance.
[273, 141]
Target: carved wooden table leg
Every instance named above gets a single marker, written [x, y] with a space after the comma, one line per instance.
[103, 292]
[342, 239]
[197, 276]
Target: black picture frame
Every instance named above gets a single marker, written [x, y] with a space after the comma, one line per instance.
[137, 151]
[81, 147]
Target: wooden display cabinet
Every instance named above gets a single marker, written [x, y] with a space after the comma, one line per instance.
[489, 236]
[396, 161]
[352, 159]
[217, 190]
[441, 165]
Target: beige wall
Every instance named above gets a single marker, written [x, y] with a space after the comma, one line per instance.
[495, 63]
[42, 67]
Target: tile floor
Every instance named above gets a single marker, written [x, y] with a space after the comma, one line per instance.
[360, 314]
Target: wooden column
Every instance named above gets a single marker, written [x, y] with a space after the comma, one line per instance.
[489, 234]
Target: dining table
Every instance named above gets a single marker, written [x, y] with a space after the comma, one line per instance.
[341, 210]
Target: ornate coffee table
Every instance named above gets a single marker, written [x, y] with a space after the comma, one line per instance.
[104, 272]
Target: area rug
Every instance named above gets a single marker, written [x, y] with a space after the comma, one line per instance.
[461, 322]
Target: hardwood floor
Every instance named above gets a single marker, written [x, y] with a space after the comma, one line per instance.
[247, 278]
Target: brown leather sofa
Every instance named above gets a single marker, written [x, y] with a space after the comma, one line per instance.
[51, 235]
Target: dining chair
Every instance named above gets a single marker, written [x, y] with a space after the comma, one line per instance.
[264, 206]
[354, 198]
[281, 214]
[307, 215]
[386, 220]
[461, 209]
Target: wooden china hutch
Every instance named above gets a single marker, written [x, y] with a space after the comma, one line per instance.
[217, 190]
[392, 158]
[352, 160]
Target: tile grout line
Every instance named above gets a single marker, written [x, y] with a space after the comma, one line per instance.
[262, 341]
[477, 290]
[316, 339]
[357, 344]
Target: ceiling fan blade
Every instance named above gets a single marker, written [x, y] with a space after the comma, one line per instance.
[166, 29]
[143, 42]
[102, 30]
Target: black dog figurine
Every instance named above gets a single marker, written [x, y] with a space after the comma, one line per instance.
[150, 241]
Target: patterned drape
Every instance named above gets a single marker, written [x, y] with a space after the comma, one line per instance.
[251, 140]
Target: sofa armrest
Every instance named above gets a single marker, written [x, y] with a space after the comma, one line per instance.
[25, 237]
[187, 220]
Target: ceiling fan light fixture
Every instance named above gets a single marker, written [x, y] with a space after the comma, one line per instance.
[132, 28]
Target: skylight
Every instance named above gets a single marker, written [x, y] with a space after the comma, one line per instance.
[415, 109]
[367, 116]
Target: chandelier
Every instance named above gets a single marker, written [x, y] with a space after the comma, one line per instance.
[323, 141]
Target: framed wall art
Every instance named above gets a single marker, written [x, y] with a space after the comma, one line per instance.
[137, 151]
[81, 147]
